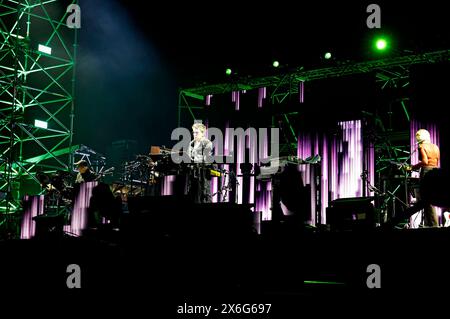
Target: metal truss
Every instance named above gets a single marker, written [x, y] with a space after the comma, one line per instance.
[386, 70]
[37, 78]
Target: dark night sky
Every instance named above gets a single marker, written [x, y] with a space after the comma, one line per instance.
[133, 58]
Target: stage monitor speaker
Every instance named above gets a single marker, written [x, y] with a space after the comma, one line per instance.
[351, 213]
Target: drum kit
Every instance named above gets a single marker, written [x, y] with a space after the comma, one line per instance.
[59, 191]
[140, 177]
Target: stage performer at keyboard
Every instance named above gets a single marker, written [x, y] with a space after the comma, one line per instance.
[200, 153]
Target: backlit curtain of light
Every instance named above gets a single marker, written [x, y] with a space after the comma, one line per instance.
[34, 207]
[350, 168]
[341, 165]
[79, 218]
[416, 125]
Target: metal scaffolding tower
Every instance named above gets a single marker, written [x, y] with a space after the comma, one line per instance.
[37, 81]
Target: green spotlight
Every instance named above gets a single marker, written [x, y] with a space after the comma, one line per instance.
[40, 124]
[381, 44]
[276, 64]
[327, 55]
[228, 71]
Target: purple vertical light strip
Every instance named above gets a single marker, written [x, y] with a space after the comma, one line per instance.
[317, 150]
[371, 167]
[358, 147]
[316, 145]
[261, 96]
[208, 99]
[80, 208]
[347, 160]
[214, 187]
[333, 169]
[263, 198]
[336, 168]
[268, 200]
[35, 207]
[311, 175]
[238, 100]
[301, 91]
[345, 178]
[267, 195]
[324, 181]
[239, 160]
[252, 190]
[235, 97]
[167, 187]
